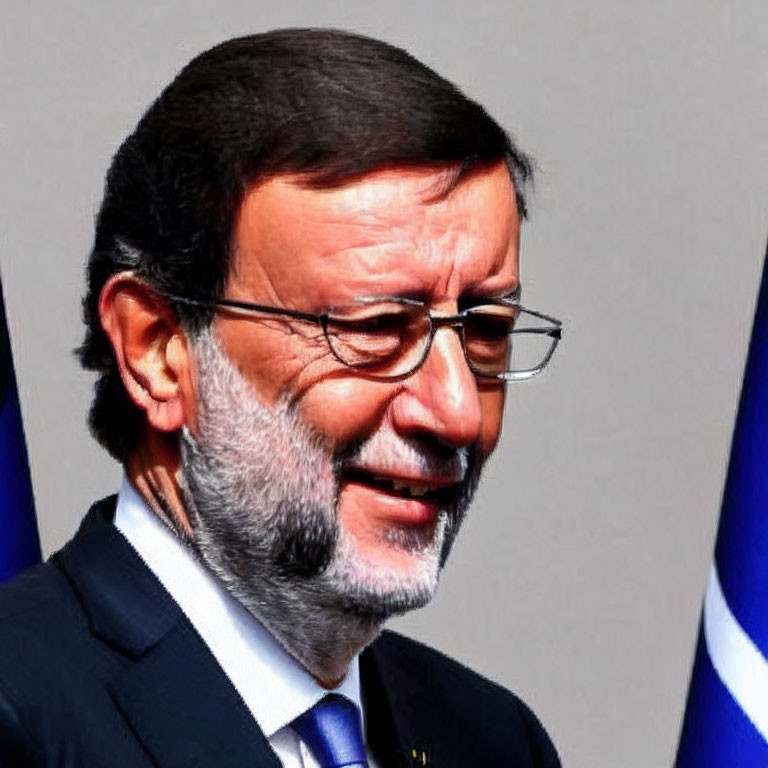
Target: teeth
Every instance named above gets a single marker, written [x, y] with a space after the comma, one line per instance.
[413, 489]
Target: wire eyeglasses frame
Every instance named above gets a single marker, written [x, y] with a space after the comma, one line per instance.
[330, 321]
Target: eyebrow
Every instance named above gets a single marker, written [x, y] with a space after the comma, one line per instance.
[510, 295]
[507, 294]
[504, 294]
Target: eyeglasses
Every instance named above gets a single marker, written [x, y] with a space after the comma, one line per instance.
[390, 338]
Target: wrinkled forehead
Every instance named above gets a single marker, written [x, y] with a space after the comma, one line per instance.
[394, 232]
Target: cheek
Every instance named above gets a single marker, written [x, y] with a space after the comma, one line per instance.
[492, 408]
[270, 358]
[345, 409]
[339, 406]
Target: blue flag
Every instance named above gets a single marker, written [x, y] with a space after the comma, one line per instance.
[726, 719]
[19, 542]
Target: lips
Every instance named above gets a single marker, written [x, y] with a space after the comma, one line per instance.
[408, 488]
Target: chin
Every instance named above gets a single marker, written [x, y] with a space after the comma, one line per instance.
[396, 571]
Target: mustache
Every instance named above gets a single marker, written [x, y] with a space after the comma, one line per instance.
[386, 452]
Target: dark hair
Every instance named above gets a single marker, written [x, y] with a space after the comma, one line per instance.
[328, 104]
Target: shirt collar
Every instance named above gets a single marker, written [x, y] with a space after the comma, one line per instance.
[273, 685]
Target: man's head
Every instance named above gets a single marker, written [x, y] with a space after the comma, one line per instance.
[318, 174]
[328, 105]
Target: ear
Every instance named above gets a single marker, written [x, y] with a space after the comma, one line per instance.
[151, 350]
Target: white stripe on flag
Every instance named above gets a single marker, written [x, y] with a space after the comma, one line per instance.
[736, 659]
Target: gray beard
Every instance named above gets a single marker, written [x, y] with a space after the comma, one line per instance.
[260, 489]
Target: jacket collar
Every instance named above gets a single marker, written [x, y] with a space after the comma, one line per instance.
[409, 724]
[126, 606]
[170, 690]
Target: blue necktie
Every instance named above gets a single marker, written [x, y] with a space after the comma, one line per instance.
[333, 731]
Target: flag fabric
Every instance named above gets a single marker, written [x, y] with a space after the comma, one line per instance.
[19, 542]
[726, 718]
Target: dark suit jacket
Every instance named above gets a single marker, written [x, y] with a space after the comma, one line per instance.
[99, 667]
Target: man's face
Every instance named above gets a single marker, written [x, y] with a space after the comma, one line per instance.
[386, 235]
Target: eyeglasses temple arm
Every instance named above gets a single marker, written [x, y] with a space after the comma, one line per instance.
[248, 307]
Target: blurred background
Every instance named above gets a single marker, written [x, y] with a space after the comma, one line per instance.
[578, 579]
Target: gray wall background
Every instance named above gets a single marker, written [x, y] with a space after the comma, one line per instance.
[579, 577]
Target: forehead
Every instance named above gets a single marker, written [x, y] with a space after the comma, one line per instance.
[393, 232]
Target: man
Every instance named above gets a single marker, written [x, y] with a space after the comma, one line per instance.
[301, 303]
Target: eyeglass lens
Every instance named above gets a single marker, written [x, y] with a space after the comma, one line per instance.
[386, 338]
[390, 339]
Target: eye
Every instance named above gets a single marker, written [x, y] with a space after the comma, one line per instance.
[487, 337]
[488, 328]
[385, 318]
[377, 334]
[384, 323]
[490, 322]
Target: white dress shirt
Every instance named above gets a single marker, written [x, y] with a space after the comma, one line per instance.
[276, 689]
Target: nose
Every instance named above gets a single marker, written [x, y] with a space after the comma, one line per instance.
[441, 399]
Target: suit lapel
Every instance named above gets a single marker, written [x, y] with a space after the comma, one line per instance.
[171, 691]
[183, 709]
[405, 727]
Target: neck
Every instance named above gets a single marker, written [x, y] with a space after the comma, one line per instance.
[153, 469]
[325, 645]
